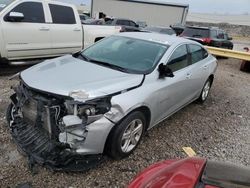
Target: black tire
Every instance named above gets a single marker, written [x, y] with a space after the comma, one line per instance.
[114, 143]
[8, 114]
[201, 98]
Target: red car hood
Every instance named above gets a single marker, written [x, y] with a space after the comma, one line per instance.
[171, 174]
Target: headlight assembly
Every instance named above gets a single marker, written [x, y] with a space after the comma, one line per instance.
[91, 110]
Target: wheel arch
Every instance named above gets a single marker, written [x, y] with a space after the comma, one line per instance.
[143, 109]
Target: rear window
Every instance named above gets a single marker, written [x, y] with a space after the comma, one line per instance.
[196, 32]
[62, 14]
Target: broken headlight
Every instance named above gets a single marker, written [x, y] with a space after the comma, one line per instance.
[90, 110]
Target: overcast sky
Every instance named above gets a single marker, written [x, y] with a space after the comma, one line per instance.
[206, 6]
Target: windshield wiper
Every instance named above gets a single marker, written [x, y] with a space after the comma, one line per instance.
[86, 58]
[112, 66]
[79, 54]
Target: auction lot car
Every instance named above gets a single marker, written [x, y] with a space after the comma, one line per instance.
[192, 173]
[162, 30]
[208, 36]
[40, 29]
[103, 99]
[127, 25]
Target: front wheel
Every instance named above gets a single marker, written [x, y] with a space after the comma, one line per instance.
[205, 91]
[126, 136]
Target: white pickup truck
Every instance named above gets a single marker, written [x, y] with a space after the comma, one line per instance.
[32, 29]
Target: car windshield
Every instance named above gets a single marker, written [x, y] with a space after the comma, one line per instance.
[4, 3]
[126, 54]
[196, 32]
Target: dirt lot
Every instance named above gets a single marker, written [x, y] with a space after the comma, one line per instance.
[218, 130]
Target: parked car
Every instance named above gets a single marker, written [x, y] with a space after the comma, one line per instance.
[84, 17]
[192, 173]
[162, 30]
[127, 25]
[141, 24]
[93, 22]
[178, 28]
[41, 29]
[103, 99]
[208, 36]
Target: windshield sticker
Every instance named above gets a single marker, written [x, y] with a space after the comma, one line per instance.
[2, 5]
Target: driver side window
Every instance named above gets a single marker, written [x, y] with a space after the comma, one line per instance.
[179, 59]
[32, 11]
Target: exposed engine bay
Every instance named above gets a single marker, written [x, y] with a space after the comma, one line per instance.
[53, 130]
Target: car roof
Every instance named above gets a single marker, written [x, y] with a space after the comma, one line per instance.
[156, 37]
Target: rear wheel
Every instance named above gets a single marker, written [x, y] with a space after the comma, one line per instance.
[126, 136]
[205, 91]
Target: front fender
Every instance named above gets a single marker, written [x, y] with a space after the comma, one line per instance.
[121, 108]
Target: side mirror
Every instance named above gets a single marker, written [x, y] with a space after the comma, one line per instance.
[165, 71]
[15, 17]
[230, 38]
[136, 25]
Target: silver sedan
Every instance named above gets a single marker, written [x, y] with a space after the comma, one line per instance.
[104, 98]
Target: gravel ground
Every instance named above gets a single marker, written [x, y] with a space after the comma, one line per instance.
[218, 130]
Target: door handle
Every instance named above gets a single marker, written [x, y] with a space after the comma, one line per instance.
[77, 29]
[44, 29]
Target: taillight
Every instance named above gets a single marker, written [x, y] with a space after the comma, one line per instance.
[206, 40]
[121, 28]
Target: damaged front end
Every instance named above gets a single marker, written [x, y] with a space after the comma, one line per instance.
[58, 131]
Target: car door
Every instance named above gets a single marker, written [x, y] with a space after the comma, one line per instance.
[173, 93]
[66, 30]
[199, 70]
[29, 37]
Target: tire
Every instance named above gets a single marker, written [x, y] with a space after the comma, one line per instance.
[205, 91]
[8, 114]
[120, 141]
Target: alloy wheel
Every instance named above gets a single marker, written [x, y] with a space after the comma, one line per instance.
[131, 135]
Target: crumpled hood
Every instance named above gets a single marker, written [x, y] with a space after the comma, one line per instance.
[69, 76]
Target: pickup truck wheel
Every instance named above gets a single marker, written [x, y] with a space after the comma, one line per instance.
[126, 136]
[3, 62]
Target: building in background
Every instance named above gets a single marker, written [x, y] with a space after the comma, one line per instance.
[154, 13]
[83, 9]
